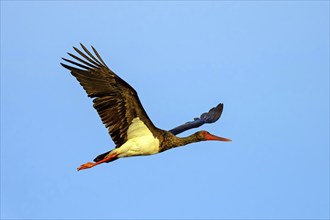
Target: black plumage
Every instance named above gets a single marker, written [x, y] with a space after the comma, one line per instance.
[122, 113]
[116, 102]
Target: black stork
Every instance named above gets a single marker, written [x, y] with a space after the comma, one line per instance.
[121, 111]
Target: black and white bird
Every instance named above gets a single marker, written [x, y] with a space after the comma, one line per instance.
[122, 113]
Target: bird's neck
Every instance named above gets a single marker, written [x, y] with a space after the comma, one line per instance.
[187, 140]
[174, 141]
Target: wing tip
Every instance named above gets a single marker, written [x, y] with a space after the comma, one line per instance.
[65, 65]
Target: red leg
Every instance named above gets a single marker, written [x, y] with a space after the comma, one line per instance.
[92, 164]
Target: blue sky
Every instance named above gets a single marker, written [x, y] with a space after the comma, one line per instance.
[267, 61]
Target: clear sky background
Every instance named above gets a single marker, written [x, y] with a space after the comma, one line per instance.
[267, 61]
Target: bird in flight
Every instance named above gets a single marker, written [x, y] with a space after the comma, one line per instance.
[122, 113]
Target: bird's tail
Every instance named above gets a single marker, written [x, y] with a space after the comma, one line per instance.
[102, 156]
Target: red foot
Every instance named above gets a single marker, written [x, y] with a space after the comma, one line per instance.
[86, 166]
[91, 164]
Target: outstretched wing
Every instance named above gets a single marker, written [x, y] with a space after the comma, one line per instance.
[116, 102]
[210, 117]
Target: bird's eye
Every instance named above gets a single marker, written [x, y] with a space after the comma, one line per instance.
[205, 132]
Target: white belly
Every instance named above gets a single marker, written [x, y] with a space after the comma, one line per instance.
[140, 141]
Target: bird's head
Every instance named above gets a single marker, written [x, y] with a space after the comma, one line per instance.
[206, 136]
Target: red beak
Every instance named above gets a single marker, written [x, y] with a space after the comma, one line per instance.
[211, 137]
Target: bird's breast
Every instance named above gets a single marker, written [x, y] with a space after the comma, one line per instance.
[140, 141]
